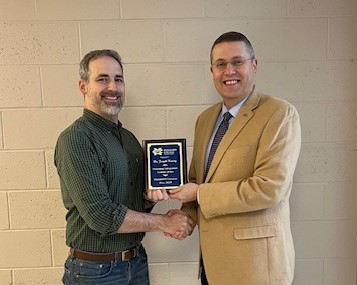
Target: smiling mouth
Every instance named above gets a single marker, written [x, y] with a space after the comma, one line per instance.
[111, 98]
[231, 82]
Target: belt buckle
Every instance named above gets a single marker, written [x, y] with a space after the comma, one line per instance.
[123, 254]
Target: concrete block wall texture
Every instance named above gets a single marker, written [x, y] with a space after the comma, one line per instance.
[307, 52]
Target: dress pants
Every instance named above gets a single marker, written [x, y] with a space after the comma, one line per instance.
[203, 274]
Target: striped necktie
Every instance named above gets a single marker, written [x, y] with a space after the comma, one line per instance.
[223, 127]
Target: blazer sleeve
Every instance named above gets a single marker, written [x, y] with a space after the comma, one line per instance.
[274, 163]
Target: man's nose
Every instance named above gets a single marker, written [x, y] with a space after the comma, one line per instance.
[230, 69]
[112, 85]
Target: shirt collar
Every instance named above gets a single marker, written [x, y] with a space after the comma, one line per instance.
[100, 121]
[234, 110]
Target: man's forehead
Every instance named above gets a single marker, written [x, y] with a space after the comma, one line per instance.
[237, 48]
[105, 65]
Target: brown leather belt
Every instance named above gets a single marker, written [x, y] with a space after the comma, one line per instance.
[105, 257]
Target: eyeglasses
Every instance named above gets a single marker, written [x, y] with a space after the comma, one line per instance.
[222, 64]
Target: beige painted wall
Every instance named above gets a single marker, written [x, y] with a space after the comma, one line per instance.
[307, 52]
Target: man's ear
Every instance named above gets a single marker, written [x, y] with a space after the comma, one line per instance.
[83, 87]
[255, 65]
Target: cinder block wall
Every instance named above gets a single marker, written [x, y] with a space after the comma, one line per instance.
[307, 52]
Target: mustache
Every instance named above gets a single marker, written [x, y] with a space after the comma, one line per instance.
[111, 94]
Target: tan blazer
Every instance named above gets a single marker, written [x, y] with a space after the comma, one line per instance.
[243, 217]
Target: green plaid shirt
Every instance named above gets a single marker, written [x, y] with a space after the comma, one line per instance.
[100, 165]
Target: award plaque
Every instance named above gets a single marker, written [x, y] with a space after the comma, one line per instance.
[165, 163]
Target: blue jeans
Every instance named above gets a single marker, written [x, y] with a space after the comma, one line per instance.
[132, 272]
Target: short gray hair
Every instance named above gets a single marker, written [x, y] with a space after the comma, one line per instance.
[92, 55]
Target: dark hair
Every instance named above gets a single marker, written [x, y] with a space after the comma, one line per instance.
[92, 55]
[234, 37]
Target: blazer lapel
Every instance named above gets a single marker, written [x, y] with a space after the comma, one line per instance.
[204, 134]
[244, 115]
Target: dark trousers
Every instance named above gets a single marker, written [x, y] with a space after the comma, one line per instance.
[203, 274]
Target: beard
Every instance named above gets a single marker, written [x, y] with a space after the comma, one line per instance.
[110, 110]
[114, 108]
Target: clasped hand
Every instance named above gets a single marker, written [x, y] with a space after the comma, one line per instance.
[179, 224]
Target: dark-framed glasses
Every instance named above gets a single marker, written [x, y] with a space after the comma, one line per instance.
[222, 64]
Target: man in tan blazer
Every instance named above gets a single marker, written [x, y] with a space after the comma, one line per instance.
[242, 204]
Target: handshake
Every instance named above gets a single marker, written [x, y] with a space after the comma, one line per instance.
[175, 223]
